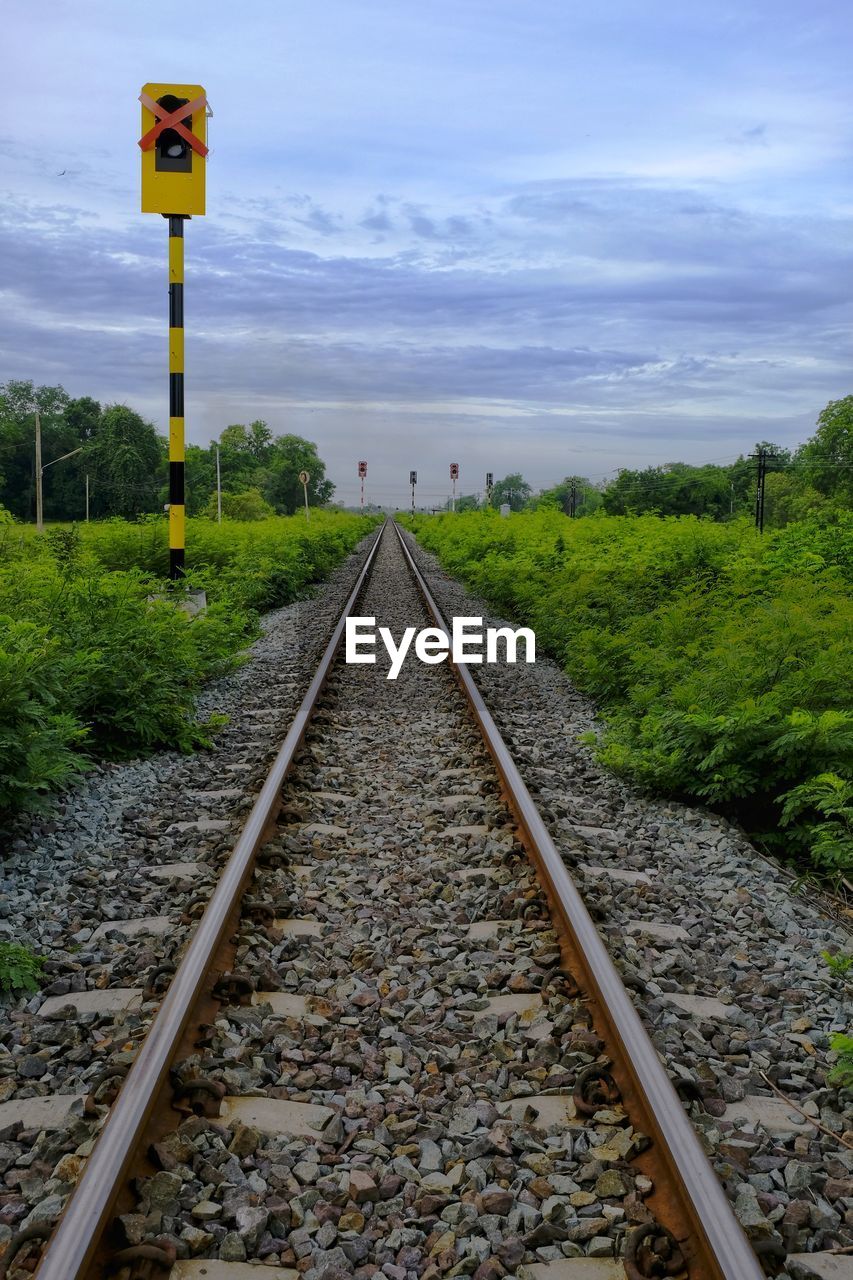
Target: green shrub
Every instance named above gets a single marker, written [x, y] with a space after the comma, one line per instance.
[842, 1073]
[839, 964]
[139, 663]
[720, 660]
[248, 505]
[97, 657]
[20, 970]
[40, 735]
[826, 801]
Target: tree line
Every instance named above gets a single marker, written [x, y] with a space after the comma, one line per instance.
[126, 461]
[813, 479]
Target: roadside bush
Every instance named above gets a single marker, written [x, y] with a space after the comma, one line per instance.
[720, 660]
[39, 732]
[96, 658]
[247, 505]
[135, 665]
[257, 564]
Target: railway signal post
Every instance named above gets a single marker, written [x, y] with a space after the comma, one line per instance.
[362, 472]
[413, 480]
[454, 476]
[174, 160]
[490, 480]
[304, 477]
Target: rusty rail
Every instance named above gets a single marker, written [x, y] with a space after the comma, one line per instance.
[71, 1250]
[692, 1206]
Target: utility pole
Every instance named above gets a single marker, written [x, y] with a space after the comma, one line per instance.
[762, 457]
[87, 497]
[39, 504]
[490, 479]
[218, 489]
[573, 499]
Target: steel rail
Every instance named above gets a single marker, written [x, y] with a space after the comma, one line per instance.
[71, 1249]
[694, 1207]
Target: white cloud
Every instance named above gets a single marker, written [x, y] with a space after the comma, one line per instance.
[526, 233]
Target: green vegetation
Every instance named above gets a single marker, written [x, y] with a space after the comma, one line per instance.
[248, 505]
[20, 970]
[90, 663]
[513, 490]
[96, 657]
[126, 462]
[720, 660]
[813, 481]
[828, 802]
[839, 964]
[842, 1073]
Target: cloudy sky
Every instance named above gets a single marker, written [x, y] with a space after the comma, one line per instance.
[532, 235]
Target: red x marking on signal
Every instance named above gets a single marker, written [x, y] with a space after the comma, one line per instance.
[172, 120]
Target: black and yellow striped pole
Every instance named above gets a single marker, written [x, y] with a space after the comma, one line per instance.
[174, 152]
[177, 522]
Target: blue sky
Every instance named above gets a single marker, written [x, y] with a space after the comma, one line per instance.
[520, 236]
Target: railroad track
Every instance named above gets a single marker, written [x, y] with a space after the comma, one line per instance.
[395, 1043]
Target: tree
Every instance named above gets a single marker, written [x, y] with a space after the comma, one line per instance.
[587, 496]
[244, 452]
[83, 417]
[237, 459]
[512, 489]
[200, 477]
[825, 462]
[249, 505]
[17, 443]
[789, 497]
[65, 483]
[125, 459]
[288, 455]
[467, 502]
[743, 482]
[676, 489]
[260, 438]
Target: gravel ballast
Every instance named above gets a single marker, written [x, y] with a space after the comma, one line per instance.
[436, 1027]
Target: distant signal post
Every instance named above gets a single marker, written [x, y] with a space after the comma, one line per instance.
[362, 472]
[174, 161]
[490, 480]
[304, 477]
[454, 476]
[413, 480]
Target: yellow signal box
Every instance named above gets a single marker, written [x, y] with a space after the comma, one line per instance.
[174, 148]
